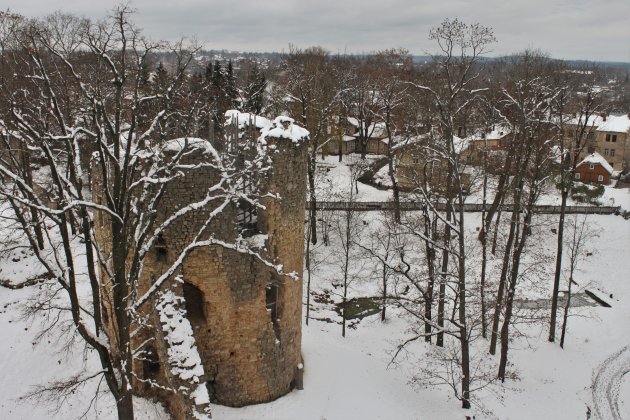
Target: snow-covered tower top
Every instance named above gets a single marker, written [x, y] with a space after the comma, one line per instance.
[285, 127]
[282, 127]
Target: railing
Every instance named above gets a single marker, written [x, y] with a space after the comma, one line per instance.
[469, 207]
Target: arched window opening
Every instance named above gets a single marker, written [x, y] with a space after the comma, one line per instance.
[247, 218]
[194, 305]
[150, 363]
[271, 304]
[161, 250]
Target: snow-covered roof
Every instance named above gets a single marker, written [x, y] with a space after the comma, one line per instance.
[497, 133]
[460, 144]
[374, 130]
[597, 159]
[556, 153]
[614, 123]
[348, 138]
[285, 127]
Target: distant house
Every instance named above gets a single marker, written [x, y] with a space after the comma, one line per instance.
[348, 144]
[417, 165]
[344, 136]
[490, 141]
[608, 135]
[594, 169]
[377, 141]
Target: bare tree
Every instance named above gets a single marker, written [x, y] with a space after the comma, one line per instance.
[581, 232]
[393, 106]
[348, 228]
[529, 98]
[575, 134]
[460, 46]
[80, 104]
[311, 88]
[360, 101]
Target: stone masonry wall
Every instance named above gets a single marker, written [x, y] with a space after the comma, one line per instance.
[245, 358]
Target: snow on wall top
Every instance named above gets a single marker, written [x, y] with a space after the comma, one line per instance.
[280, 127]
[245, 119]
[183, 356]
[176, 145]
[614, 123]
[596, 158]
[285, 127]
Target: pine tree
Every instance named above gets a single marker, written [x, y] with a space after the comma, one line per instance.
[217, 77]
[161, 76]
[208, 73]
[255, 90]
[231, 91]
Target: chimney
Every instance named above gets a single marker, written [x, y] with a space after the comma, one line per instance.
[603, 115]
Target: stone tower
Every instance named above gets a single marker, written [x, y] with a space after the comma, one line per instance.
[245, 316]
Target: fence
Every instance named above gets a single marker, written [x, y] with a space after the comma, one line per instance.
[469, 207]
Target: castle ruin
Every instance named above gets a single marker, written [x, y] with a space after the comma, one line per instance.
[244, 315]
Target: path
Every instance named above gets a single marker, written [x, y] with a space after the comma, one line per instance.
[606, 383]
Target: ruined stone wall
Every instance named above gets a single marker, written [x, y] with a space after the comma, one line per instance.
[248, 357]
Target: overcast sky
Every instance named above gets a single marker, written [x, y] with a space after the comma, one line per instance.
[576, 29]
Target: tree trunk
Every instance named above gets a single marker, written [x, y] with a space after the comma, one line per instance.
[28, 177]
[500, 190]
[340, 147]
[495, 205]
[443, 277]
[308, 274]
[124, 406]
[384, 296]
[556, 279]
[493, 251]
[565, 316]
[484, 258]
[346, 266]
[428, 299]
[502, 280]
[312, 212]
[567, 305]
[463, 330]
[516, 260]
[392, 169]
[395, 189]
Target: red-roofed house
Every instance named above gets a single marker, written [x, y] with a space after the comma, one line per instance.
[609, 135]
[594, 169]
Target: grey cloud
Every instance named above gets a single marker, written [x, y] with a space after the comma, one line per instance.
[565, 29]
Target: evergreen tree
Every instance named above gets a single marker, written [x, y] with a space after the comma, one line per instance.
[255, 90]
[217, 77]
[208, 73]
[231, 91]
[161, 76]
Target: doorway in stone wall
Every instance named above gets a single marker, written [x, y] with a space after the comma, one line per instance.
[197, 312]
[195, 307]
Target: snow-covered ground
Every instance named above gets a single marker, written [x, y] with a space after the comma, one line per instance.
[334, 181]
[347, 378]
[352, 377]
[28, 361]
